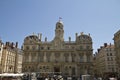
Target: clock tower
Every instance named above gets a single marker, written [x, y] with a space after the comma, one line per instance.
[59, 32]
[59, 36]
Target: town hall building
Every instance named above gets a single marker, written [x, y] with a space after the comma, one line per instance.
[68, 58]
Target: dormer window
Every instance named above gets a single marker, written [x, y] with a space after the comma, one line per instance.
[33, 47]
[48, 48]
[42, 48]
[27, 48]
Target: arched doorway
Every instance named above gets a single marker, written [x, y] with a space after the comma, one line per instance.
[57, 70]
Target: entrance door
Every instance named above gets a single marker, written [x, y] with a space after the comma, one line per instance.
[57, 70]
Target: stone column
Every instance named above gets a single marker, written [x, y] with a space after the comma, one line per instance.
[30, 57]
[44, 57]
[85, 57]
[52, 57]
[70, 57]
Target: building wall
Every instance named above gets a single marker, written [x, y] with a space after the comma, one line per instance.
[1, 50]
[117, 48]
[9, 58]
[8, 64]
[19, 57]
[71, 58]
[105, 61]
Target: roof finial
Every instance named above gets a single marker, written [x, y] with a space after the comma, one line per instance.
[82, 33]
[33, 33]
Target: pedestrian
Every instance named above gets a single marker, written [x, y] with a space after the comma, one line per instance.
[95, 78]
[46, 78]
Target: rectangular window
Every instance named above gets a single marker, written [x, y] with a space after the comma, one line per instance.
[81, 47]
[48, 58]
[88, 58]
[48, 48]
[110, 54]
[73, 59]
[107, 54]
[73, 71]
[111, 59]
[87, 47]
[66, 58]
[42, 48]
[81, 58]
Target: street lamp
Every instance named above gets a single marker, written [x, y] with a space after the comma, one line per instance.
[29, 75]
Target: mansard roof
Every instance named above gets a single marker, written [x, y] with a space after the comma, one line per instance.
[32, 38]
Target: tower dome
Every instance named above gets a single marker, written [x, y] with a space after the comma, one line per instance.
[59, 31]
[59, 24]
[84, 38]
[31, 38]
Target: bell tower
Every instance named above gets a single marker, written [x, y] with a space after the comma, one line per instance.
[59, 32]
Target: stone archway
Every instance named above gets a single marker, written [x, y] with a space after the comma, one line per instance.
[56, 70]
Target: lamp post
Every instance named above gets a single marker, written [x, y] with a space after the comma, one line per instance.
[29, 75]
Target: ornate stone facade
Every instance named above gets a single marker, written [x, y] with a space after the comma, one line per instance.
[70, 58]
[1, 50]
[105, 64]
[117, 48]
[19, 55]
[9, 58]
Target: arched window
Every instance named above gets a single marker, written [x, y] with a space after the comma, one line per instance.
[73, 70]
[110, 54]
[66, 57]
[48, 57]
[27, 47]
[66, 70]
[41, 57]
[88, 58]
[73, 57]
[33, 47]
[81, 58]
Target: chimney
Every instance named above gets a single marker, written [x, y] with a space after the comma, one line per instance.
[89, 34]
[98, 50]
[95, 53]
[21, 47]
[105, 44]
[16, 44]
[12, 45]
[45, 39]
[69, 39]
[101, 47]
[6, 43]
[40, 36]
[110, 44]
[76, 35]
[82, 33]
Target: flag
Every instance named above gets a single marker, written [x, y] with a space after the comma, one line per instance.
[60, 17]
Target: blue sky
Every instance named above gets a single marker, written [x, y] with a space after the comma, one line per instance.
[20, 18]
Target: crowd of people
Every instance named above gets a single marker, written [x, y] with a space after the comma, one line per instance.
[59, 77]
[38, 77]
